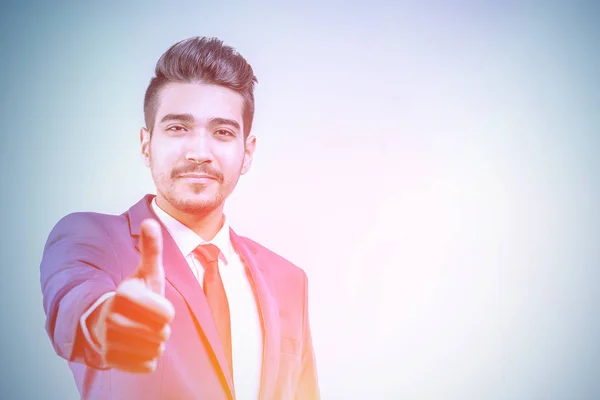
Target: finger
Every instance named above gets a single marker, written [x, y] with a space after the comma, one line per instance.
[120, 326]
[151, 267]
[139, 349]
[134, 300]
[129, 363]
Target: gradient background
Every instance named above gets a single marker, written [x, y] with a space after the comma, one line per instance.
[432, 167]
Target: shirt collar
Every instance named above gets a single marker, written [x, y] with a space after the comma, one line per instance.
[187, 240]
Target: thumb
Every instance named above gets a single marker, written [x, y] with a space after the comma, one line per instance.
[151, 269]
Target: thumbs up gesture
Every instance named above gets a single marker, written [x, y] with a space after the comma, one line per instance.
[132, 326]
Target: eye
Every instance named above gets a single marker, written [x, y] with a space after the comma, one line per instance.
[224, 133]
[177, 128]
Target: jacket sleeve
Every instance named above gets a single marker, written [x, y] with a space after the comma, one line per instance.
[308, 385]
[79, 264]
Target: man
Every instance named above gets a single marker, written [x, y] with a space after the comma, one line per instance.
[165, 301]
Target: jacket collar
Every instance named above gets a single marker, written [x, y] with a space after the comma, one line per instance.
[179, 275]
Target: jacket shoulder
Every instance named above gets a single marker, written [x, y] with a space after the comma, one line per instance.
[85, 224]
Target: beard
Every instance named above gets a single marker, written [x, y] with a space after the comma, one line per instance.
[193, 199]
[195, 203]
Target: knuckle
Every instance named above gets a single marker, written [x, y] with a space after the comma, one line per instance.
[158, 350]
[166, 332]
[170, 311]
[149, 366]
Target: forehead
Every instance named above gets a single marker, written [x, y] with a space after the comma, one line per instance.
[202, 101]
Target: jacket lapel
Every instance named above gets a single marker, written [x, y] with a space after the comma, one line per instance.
[180, 276]
[269, 311]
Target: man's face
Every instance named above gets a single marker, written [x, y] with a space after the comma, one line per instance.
[197, 151]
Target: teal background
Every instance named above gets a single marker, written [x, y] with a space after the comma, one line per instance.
[432, 166]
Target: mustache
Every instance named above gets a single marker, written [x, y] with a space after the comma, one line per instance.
[197, 169]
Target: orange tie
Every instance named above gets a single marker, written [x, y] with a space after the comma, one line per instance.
[208, 255]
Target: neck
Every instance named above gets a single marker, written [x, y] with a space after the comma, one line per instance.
[206, 225]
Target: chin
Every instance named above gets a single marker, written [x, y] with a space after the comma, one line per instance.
[197, 204]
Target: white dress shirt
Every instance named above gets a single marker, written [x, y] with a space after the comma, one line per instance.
[246, 329]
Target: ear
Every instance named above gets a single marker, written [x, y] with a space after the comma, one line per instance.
[248, 153]
[145, 145]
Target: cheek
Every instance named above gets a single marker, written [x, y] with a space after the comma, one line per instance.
[234, 160]
[162, 158]
[161, 169]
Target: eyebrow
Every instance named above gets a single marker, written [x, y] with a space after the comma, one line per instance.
[190, 119]
[178, 117]
[224, 121]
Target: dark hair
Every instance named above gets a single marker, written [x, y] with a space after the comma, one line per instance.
[205, 60]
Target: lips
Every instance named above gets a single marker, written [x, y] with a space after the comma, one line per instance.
[195, 172]
[197, 176]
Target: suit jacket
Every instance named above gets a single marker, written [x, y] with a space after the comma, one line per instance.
[89, 254]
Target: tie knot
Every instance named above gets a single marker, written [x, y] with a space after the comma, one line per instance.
[208, 254]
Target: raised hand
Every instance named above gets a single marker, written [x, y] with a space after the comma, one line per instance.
[132, 326]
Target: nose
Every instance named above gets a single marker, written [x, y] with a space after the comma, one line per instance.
[198, 148]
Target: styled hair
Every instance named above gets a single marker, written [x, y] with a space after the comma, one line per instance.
[202, 60]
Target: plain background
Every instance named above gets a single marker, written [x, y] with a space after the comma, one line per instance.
[432, 167]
